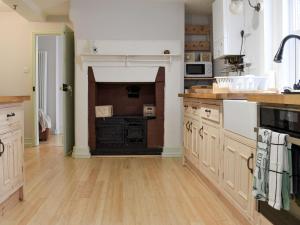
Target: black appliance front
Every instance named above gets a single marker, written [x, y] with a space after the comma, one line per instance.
[285, 121]
[125, 135]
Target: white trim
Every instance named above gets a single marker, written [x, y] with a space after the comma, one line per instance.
[172, 152]
[81, 152]
[28, 142]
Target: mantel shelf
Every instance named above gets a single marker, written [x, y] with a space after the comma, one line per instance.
[129, 58]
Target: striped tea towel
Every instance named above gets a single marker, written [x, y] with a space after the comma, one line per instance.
[278, 166]
[261, 171]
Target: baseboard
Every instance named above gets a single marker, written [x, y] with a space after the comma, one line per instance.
[81, 152]
[172, 152]
[28, 142]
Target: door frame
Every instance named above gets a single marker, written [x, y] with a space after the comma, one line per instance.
[59, 32]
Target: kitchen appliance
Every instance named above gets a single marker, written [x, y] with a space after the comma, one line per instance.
[198, 69]
[283, 120]
[149, 111]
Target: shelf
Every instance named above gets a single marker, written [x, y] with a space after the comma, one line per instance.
[197, 46]
[199, 78]
[134, 58]
[197, 30]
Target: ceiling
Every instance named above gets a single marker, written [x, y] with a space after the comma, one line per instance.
[61, 7]
[4, 7]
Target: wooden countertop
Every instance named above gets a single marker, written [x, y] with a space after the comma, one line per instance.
[266, 98]
[213, 96]
[13, 99]
[282, 99]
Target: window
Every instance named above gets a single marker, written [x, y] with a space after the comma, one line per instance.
[285, 20]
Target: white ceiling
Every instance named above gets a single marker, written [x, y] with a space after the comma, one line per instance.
[61, 7]
[4, 7]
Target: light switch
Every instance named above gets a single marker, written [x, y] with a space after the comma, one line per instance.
[26, 70]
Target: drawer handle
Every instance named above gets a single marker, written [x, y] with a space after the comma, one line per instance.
[191, 124]
[208, 110]
[10, 115]
[3, 148]
[248, 163]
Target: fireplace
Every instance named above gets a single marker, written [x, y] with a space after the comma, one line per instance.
[127, 131]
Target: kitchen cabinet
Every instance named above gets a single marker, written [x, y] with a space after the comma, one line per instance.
[223, 157]
[226, 29]
[11, 152]
[191, 133]
[238, 161]
[210, 150]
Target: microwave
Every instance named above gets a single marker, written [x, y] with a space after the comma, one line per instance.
[198, 69]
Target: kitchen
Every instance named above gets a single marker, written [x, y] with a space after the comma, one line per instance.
[225, 121]
[193, 95]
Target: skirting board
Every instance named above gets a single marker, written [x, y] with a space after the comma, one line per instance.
[172, 152]
[81, 152]
[28, 142]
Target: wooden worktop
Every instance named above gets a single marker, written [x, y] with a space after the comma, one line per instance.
[13, 99]
[264, 98]
[282, 99]
[215, 96]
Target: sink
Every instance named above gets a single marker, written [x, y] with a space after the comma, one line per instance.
[240, 117]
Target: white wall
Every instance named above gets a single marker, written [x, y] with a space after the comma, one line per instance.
[130, 28]
[127, 20]
[16, 56]
[254, 26]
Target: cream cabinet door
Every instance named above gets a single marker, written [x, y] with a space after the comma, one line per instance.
[187, 137]
[11, 163]
[210, 150]
[195, 142]
[16, 147]
[6, 165]
[237, 178]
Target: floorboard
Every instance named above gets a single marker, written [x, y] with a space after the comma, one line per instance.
[113, 191]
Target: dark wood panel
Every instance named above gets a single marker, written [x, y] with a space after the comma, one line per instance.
[116, 94]
[92, 93]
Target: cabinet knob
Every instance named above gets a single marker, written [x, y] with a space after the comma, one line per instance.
[2, 149]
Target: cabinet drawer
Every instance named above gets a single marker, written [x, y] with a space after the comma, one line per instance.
[211, 112]
[10, 118]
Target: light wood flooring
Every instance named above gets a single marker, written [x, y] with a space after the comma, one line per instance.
[113, 191]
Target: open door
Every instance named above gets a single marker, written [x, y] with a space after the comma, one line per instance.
[68, 90]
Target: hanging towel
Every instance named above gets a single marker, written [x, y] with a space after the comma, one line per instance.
[278, 161]
[287, 181]
[261, 171]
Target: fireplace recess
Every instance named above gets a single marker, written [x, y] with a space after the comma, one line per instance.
[127, 132]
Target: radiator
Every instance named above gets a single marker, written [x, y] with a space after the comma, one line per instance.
[42, 79]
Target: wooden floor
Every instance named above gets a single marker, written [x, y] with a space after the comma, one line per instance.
[113, 191]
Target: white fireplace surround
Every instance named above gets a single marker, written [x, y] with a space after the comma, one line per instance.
[130, 67]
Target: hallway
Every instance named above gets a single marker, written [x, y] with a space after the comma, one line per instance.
[113, 191]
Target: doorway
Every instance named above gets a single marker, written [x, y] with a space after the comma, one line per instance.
[49, 75]
[53, 89]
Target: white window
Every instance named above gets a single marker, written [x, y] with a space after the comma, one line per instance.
[285, 21]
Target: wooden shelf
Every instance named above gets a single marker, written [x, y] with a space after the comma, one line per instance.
[197, 46]
[197, 30]
[199, 78]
